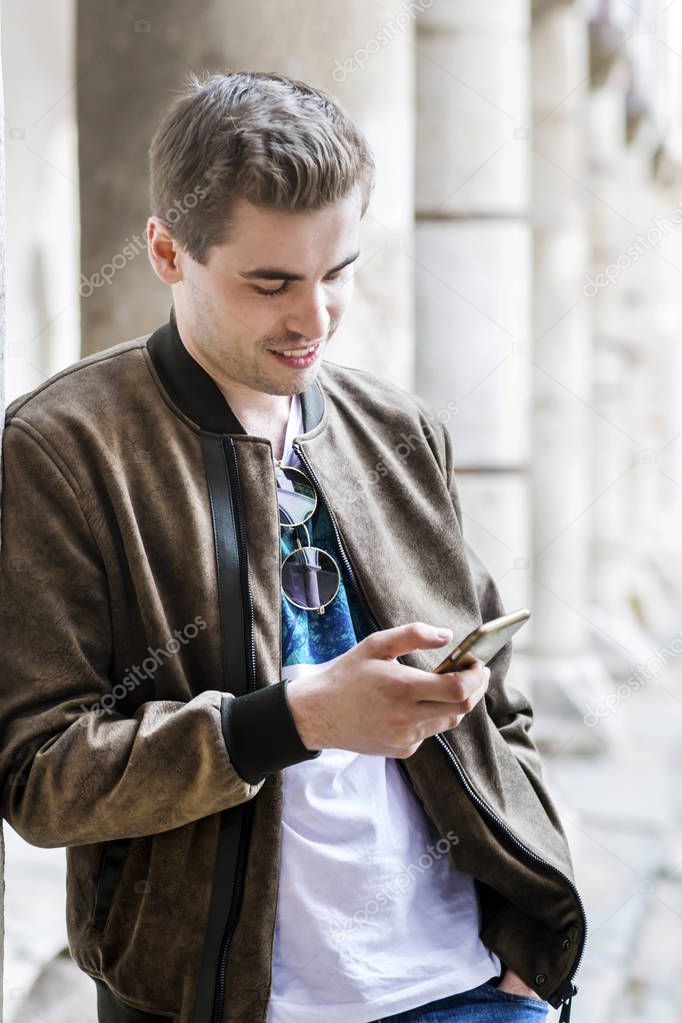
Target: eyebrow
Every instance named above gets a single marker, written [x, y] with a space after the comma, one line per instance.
[268, 273]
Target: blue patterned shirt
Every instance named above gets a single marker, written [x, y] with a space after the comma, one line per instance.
[307, 636]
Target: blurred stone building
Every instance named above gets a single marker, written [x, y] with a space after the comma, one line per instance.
[521, 269]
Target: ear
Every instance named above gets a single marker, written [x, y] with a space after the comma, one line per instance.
[163, 251]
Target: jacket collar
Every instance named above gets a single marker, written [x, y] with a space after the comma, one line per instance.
[195, 392]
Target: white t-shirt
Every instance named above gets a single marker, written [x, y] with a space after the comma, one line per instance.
[372, 917]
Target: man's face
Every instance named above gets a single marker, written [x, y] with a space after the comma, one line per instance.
[236, 311]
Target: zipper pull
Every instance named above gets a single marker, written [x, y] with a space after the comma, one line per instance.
[563, 997]
[566, 1010]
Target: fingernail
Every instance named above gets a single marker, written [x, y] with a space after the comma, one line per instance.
[444, 633]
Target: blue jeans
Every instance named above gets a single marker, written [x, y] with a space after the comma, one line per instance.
[482, 1004]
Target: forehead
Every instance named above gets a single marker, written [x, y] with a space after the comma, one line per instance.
[256, 229]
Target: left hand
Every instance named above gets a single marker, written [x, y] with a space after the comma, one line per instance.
[512, 983]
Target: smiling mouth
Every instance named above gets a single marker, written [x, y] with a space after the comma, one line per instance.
[297, 358]
[295, 351]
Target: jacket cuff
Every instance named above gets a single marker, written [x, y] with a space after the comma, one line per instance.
[260, 733]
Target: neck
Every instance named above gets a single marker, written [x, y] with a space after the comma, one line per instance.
[261, 419]
[255, 406]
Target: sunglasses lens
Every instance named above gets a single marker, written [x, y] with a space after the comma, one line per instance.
[310, 577]
[295, 496]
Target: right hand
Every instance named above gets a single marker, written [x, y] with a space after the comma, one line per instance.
[367, 702]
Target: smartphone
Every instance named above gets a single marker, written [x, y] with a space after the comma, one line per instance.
[484, 642]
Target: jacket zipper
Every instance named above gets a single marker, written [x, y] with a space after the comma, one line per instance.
[567, 989]
[245, 834]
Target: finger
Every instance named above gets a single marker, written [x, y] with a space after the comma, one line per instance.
[451, 687]
[437, 717]
[404, 638]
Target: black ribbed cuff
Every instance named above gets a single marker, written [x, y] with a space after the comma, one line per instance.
[260, 733]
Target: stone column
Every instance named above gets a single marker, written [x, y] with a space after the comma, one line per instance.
[2, 425]
[473, 269]
[42, 178]
[663, 547]
[566, 673]
[668, 170]
[649, 290]
[129, 69]
[623, 292]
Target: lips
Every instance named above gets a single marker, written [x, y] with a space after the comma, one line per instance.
[303, 348]
[301, 360]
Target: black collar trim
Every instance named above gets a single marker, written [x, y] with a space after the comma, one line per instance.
[195, 392]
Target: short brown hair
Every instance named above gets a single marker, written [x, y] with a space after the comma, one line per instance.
[262, 136]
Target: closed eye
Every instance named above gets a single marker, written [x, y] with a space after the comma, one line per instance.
[277, 291]
[284, 287]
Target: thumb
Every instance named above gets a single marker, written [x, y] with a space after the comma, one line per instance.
[404, 638]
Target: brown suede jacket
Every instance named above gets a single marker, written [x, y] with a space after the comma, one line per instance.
[144, 723]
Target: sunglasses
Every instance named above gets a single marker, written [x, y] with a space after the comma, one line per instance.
[310, 576]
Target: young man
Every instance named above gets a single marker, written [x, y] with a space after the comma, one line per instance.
[221, 581]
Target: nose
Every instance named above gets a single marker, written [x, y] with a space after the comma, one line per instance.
[309, 316]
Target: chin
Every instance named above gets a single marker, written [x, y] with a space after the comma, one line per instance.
[302, 378]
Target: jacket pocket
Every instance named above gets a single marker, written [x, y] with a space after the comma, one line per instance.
[114, 856]
[113, 1009]
[153, 910]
